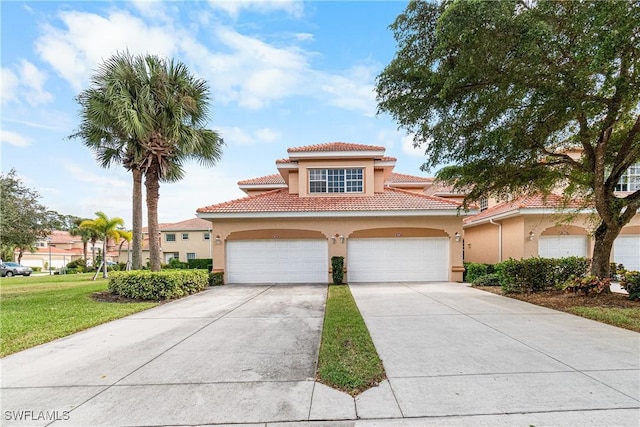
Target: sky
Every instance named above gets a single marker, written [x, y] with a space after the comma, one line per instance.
[281, 73]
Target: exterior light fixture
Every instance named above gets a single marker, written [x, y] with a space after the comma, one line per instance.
[341, 237]
[532, 235]
[457, 236]
[333, 239]
[218, 241]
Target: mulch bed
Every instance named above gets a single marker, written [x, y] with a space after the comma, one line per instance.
[559, 300]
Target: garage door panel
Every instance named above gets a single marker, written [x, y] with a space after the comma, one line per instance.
[562, 246]
[276, 261]
[393, 260]
[626, 251]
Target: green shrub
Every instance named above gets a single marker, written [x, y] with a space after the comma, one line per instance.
[487, 280]
[201, 263]
[148, 285]
[175, 263]
[588, 284]
[527, 275]
[631, 283]
[570, 267]
[337, 266]
[216, 278]
[475, 270]
[37, 269]
[80, 262]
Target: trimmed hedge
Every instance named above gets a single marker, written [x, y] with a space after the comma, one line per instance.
[160, 285]
[527, 275]
[216, 278]
[474, 270]
[492, 279]
[337, 265]
[201, 263]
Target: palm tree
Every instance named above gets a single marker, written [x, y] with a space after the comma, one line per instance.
[149, 114]
[85, 235]
[106, 228]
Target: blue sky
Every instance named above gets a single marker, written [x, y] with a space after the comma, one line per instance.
[282, 74]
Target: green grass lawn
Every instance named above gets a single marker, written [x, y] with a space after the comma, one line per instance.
[348, 360]
[38, 309]
[628, 318]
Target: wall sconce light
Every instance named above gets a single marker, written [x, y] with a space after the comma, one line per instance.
[218, 241]
[457, 236]
[532, 235]
[341, 237]
[333, 239]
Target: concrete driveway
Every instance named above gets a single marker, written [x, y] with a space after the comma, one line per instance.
[247, 354]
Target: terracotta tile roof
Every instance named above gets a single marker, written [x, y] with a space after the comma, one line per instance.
[189, 224]
[402, 178]
[281, 201]
[536, 201]
[335, 146]
[276, 178]
[54, 251]
[285, 161]
[388, 159]
[442, 188]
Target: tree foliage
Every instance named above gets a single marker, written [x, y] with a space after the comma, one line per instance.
[519, 96]
[148, 113]
[23, 219]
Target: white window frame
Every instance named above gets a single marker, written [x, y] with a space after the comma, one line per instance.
[206, 235]
[484, 204]
[172, 239]
[630, 179]
[185, 236]
[336, 180]
[191, 255]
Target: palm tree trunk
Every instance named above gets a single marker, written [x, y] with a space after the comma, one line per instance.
[84, 251]
[104, 258]
[136, 256]
[93, 253]
[152, 185]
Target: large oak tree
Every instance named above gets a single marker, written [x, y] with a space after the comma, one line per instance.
[505, 91]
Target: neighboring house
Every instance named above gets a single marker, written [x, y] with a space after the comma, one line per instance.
[184, 240]
[336, 199]
[535, 226]
[59, 248]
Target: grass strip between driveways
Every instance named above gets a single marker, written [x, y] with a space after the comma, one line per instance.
[628, 318]
[38, 309]
[348, 360]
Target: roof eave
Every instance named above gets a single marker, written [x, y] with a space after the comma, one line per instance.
[334, 214]
[374, 154]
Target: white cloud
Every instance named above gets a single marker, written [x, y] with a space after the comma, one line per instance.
[25, 83]
[88, 39]
[13, 138]
[104, 181]
[234, 7]
[10, 83]
[408, 147]
[243, 69]
[238, 136]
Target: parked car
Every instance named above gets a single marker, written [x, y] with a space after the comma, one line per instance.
[14, 269]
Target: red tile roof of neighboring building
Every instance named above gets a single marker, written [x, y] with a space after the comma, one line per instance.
[276, 178]
[285, 161]
[54, 251]
[536, 201]
[335, 146]
[189, 224]
[402, 178]
[281, 201]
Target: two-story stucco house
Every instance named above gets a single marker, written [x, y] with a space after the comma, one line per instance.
[336, 199]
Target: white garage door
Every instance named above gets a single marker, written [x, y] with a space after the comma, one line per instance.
[626, 251]
[277, 261]
[562, 246]
[398, 260]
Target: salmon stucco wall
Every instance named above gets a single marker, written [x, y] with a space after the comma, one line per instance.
[397, 227]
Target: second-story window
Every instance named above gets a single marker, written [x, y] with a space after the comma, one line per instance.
[336, 180]
[185, 236]
[207, 236]
[484, 204]
[630, 180]
[170, 237]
